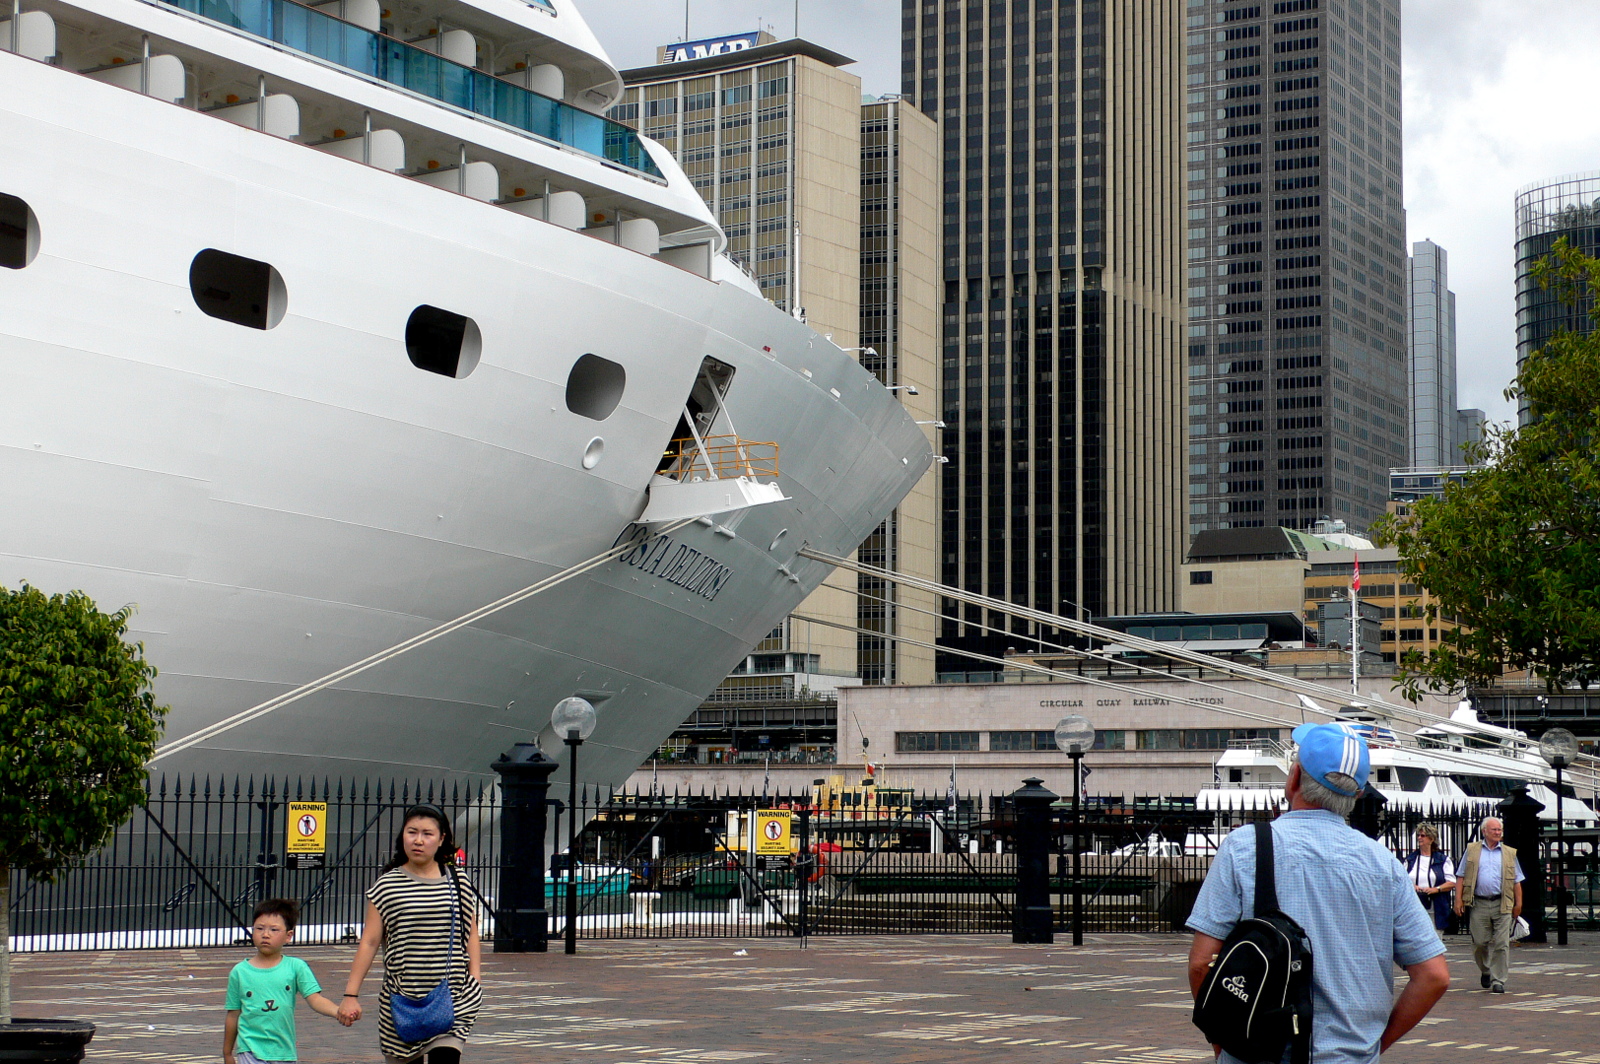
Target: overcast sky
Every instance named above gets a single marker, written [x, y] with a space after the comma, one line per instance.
[1497, 96]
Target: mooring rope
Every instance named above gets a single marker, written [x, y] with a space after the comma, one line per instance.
[405, 646]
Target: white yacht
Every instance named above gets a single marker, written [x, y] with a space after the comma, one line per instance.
[1462, 764]
[324, 323]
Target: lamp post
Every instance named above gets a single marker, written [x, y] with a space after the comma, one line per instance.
[1559, 747]
[1075, 737]
[573, 719]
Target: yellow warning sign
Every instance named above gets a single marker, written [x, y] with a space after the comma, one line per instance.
[772, 833]
[308, 828]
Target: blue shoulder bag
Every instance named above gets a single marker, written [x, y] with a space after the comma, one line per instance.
[419, 1019]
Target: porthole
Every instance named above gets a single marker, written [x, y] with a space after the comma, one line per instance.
[234, 288]
[19, 233]
[443, 342]
[594, 387]
[594, 452]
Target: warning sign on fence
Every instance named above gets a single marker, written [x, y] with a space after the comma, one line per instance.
[772, 833]
[306, 842]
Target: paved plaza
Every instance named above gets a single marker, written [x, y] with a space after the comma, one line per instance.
[1119, 999]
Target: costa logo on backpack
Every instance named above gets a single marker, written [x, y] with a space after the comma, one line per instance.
[1255, 1001]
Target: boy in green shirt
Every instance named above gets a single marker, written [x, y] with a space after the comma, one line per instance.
[262, 991]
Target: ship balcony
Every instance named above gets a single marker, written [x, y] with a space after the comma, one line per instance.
[705, 475]
[422, 70]
[718, 457]
[1264, 747]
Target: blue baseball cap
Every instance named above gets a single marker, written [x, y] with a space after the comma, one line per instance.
[1326, 748]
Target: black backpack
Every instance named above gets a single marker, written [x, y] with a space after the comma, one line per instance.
[1256, 999]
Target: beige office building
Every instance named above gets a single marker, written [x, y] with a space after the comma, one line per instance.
[899, 335]
[777, 139]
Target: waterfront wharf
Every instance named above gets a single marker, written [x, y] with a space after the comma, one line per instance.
[1118, 999]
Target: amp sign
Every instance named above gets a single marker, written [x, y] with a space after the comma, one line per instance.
[687, 50]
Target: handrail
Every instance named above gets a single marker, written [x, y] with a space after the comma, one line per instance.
[386, 58]
[730, 456]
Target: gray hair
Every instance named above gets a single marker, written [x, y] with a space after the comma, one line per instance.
[1485, 824]
[1323, 798]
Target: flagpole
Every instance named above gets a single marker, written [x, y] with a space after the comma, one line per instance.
[1355, 627]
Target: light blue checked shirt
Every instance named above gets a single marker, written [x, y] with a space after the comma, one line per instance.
[1358, 908]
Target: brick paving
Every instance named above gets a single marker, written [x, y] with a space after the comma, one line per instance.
[1119, 999]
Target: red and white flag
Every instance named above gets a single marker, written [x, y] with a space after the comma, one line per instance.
[1355, 579]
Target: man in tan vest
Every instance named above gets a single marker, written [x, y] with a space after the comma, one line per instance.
[1490, 884]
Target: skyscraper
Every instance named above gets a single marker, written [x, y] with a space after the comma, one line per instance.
[1297, 269]
[1469, 427]
[740, 120]
[1062, 336]
[1564, 207]
[830, 203]
[1431, 354]
[899, 338]
[769, 132]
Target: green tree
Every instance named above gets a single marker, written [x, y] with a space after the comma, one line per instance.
[78, 722]
[1513, 551]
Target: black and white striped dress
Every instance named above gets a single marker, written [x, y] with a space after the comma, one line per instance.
[416, 938]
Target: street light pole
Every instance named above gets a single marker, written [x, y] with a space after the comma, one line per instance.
[1561, 864]
[1074, 737]
[573, 741]
[1559, 748]
[574, 719]
[1077, 849]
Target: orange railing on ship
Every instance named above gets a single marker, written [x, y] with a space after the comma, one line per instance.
[720, 457]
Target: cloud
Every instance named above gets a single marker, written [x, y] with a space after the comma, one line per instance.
[1497, 97]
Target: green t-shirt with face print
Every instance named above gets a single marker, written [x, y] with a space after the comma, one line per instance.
[265, 999]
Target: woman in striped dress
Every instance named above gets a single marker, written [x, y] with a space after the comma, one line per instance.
[408, 915]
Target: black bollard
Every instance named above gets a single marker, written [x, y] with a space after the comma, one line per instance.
[1520, 815]
[1032, 920]
[522, 923]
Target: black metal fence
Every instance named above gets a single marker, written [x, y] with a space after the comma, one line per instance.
[188, 868]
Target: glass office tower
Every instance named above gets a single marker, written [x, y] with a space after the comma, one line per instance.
[1435, 434]
[1564, 207]
[1061, 124]
[1297, 261]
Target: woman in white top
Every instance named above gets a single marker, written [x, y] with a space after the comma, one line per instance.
[1433, 874]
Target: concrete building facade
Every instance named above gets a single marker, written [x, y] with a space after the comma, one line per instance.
[1297, 270]
[992, 736]
[1431, 357]
[1241, 569]
[770, 136]
[899, 337]
[1062, 332]
[1402, 606]
[831, 206]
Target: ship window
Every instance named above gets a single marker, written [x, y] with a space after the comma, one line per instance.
[594, 387]
[19, 233]
[443, 342]
[237, 289]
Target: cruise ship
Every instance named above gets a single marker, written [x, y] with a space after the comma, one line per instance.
[322, 324]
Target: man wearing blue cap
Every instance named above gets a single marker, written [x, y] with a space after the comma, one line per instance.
[1352, 898]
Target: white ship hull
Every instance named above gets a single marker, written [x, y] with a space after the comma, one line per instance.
[280, 503]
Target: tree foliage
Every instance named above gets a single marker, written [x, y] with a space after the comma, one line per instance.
[1513, 551]
[78, 722]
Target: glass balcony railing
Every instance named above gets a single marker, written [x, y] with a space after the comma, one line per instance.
[354, 48]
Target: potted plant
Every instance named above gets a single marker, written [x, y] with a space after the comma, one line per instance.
[78, 722]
